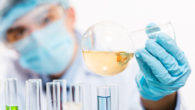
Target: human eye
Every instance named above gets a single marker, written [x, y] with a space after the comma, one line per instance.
[15, 34]
[46, 20]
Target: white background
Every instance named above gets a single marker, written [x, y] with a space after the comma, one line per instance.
[135, 14]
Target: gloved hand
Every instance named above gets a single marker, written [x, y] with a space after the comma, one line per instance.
[164, 68]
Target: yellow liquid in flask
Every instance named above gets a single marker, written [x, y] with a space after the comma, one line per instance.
[107, 63]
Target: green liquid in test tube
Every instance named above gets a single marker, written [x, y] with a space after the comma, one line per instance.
[11, 107]
[11, 101]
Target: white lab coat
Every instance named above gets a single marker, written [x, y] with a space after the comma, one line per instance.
[129, 98]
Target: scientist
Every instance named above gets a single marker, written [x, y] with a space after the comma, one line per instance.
[43, 34]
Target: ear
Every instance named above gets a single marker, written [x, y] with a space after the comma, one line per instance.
[70, 18]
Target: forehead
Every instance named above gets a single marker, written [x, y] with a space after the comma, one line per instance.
[36, 14]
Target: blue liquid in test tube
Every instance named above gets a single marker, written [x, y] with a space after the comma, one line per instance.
[104, 98]
[104, 103]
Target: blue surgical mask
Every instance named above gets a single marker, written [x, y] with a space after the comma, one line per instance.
[46, 51]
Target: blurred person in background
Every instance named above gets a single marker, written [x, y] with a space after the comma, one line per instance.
[43, 34]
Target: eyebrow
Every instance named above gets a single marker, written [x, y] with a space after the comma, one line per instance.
[41, 14]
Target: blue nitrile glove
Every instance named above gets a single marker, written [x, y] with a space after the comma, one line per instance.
[164, 68]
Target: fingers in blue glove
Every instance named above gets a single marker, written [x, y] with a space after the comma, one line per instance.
[168, 61]
[171, 47]
[145, 69]
[158, 70]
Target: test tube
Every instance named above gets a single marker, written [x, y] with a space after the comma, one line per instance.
[1, 95]
[74, 94]
[79, 97]
[73, 101]
[53, 95]
[63, 92]
[104, 98]
[114, 96]
[34, 94]
[11, 98]
[83, 95]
